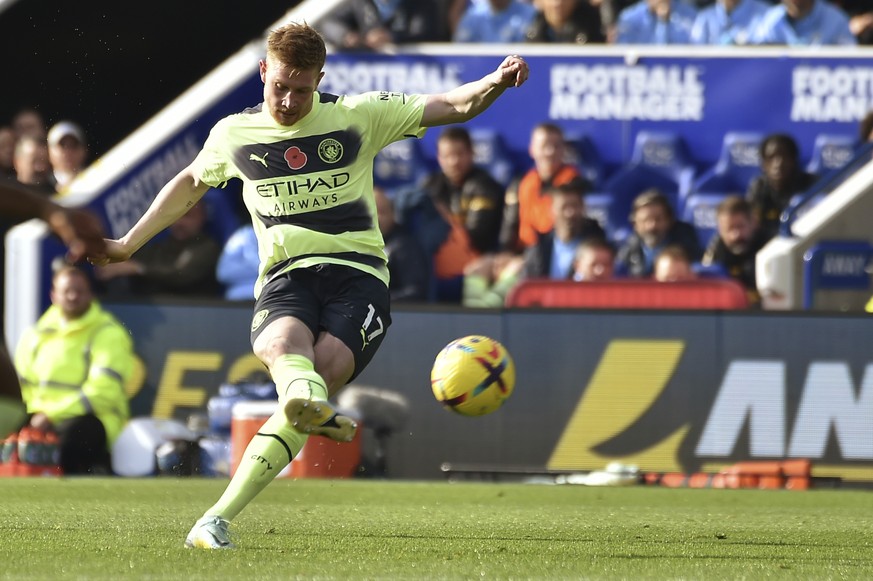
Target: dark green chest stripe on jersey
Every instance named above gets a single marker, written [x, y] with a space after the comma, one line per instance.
[367, 259]
[350, 217]
[300, 156]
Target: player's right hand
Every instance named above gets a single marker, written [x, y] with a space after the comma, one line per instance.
[113, 251]
[80, 230]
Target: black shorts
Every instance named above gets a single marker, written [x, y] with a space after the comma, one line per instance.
[351, 305]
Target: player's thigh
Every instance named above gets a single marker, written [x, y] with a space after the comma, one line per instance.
[286, 316]
[357, 314]
[283, 336]
[334, 362]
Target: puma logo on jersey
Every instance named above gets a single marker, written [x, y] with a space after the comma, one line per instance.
[263, 160]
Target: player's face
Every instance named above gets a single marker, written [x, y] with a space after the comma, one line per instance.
[778, 163]
[735, 231]
[568, 211]
[72, 295]
[547, 149]
[288, 91]
[669, 269]
[455, 159]
[595, 264]
[651, 222]
[797, 8]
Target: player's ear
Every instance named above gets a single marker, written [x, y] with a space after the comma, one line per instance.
[320, 76]
[262, 68]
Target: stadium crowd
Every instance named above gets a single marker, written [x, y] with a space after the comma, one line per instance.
[483, 224]
[471, 225]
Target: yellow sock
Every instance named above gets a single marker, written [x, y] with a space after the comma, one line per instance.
[270, 450]
[295, 376]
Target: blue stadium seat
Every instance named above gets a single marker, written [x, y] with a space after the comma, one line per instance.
[738, 164]
[628, 183]
[598, 205]
[667, 153]
[831, 152]
[700, 210]
[582, 152]
[491, 154]
[659, 160]
[709, 270]
[401, 165]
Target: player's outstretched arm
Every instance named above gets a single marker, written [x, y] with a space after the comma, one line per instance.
[174, 199]
[80, 230]
[465, 102]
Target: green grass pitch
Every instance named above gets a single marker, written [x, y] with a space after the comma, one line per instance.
[360, 529]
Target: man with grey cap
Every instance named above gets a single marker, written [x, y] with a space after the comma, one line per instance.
[68, 152]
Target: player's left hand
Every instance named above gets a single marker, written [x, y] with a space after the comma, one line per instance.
[513, 71]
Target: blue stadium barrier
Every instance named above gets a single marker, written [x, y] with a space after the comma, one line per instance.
[836, 265]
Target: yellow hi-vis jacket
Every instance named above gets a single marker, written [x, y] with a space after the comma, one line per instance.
[71, 368]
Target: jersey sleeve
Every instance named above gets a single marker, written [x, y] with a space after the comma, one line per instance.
[213, 165]
[390, 116]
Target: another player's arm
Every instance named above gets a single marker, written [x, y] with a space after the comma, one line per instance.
[465, 102]
[80, 230]
[174, 200]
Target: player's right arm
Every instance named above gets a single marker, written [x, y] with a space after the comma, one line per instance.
[174, 200]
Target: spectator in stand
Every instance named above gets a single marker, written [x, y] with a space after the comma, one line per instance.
[68, 152]
[594, 260]
[489, 278]
[673, 265]
[469, 193]
[470, 202]
[554, 252]
[408, 265]
[804, 23]
[566, 21]
[32, 166]
[728, 22]
[495, 21]
[654, 228]
[183, 263]
[781, 178]
[73, 366]
[80, 231]
[656, 22]
[735, 243]
[238, 264]
[7, 151]
[355, 26]
[29, 121]
[528, 210]
[378, 24]
[865, 128]
[609, 12]
[860, 14]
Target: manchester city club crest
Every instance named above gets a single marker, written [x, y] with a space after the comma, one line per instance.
[330, 150]
[259, 318]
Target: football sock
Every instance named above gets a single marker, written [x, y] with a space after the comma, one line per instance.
[295, 376]
[270, 450]
[276, 443]
[12, 414]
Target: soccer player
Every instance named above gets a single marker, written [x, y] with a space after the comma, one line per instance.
[83, 235]
[322, 306]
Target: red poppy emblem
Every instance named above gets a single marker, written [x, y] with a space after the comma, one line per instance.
[295, 157]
